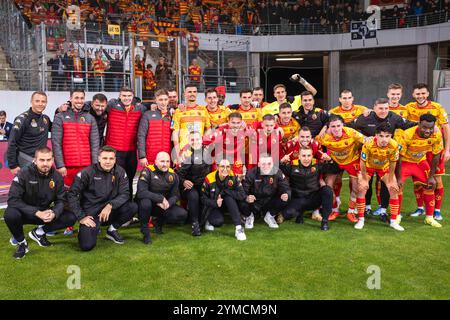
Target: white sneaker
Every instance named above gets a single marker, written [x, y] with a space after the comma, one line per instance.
[359, 225]
[249, 221]
[396, 226]
[209, 226]
[270, 221]
[316, 215]
[240, 234]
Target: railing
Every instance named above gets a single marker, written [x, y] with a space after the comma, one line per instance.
[51, 81]
[317, 28]
[232, 84]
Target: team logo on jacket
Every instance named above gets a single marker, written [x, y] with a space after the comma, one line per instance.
[113, 179]
[34, 123]
[51, 184]
[82, 119]
[314, 116]
[170, 178]
[230, 183]
[313, 169]
[45, 121]
[270, 180]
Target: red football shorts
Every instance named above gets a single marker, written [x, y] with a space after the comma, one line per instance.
[418, 171]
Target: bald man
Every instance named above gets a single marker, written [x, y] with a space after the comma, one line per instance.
[157, 194]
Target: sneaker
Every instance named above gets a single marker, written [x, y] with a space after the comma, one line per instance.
[359, 225]
[41, 240]
[270, 220]
[240, 234]
[68, 231]
[333, 216]
[351, 216]
[13, 241]
[324, 226]
[367, 212]
[384, 218]
[437, 215]
[432, 222]
[316, 215]
[146, 235]
[396, 226]
[280, 218]
[196, 229]
[378, 212]
[209, 226]
[114, 236]
[418, 212]
[22, 249]
[249, 221]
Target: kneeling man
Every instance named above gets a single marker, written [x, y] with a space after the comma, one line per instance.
[100, 196]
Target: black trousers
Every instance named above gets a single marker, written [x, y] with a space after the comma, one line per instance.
[384, 194]
[16, 219]
[216, 215]
[87, 236]
[194, 205]
[147, 208]
[274, 205]
[323, 197]
[128, 161]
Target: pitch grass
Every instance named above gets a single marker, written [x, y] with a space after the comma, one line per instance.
[293, 262]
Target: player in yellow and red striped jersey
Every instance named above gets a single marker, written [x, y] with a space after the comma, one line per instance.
[394, 95]
[344, 145]
[250, 114]
[349, 112]
[218, 115]
[420, 106]
[289, 125]
[415, 143]
[379, 156]
[191, 118]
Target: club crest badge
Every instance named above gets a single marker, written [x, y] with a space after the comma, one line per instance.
[230, 183]
[51, 184]
[34, 123]
[171, 178]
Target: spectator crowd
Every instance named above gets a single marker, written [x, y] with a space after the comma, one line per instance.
[209, 15]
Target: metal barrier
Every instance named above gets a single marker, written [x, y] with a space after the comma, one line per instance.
[232, 84]
[89, 81]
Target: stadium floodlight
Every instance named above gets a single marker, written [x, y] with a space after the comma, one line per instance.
[289, 59]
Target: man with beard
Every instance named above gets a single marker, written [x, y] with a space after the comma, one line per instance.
[37, 196]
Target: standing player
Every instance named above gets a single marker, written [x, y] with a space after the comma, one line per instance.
[154, 134]
[30, 132]
[415, 143]
[250, 114]
[121, 134]
[379, 156]
[394, 94]
[218, 115]
[415, 109]
[344, 145]
[193, 118]
[75, 138]
[307, 115]
[349, 112]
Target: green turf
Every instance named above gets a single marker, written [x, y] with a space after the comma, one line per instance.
[293, 262]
